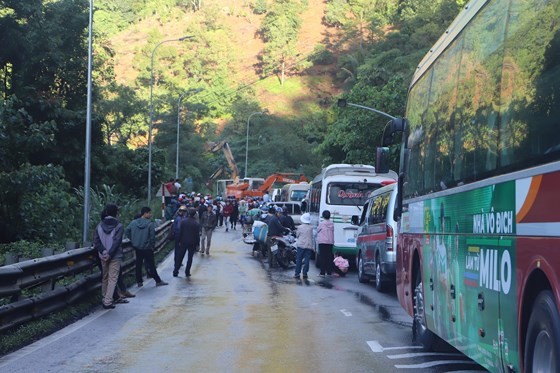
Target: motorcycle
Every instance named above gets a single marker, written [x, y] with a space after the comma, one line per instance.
[284, 249]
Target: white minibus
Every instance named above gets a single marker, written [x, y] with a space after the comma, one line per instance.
[343, 189]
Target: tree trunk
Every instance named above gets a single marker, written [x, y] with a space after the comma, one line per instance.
[282, 74]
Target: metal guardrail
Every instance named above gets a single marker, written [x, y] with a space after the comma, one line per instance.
[49, 272]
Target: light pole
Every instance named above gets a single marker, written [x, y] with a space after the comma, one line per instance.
[151, 114]
[195, 91]
[87, 167]
[265, 111]
[343, 103]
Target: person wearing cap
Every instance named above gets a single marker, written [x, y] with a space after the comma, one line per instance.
[107, 240]
[208, 222]
[304, 244]
[142, 235]
[189, 236]
[178, 253]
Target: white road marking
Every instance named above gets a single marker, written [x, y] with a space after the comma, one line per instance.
[346, 313]
[376, 347]
[421, 354]
[430, 364]
[402, 348]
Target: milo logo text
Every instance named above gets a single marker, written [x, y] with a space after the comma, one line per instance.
[495, 272]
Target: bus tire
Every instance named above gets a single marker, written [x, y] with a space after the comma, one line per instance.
[362, 277]
[420, 330]
[542, 345]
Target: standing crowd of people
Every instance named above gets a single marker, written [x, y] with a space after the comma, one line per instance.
[195, 220]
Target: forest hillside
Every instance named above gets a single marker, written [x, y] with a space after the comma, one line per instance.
[195, 72]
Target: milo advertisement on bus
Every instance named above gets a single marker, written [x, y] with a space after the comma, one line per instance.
[468, 271]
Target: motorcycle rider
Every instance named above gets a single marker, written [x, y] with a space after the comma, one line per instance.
[286, 220]
[274, 229]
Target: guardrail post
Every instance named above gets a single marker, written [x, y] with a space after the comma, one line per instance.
[11, 258]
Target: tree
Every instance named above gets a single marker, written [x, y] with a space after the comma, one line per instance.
[280, 30]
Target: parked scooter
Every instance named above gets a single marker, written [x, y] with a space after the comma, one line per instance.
[284, 249]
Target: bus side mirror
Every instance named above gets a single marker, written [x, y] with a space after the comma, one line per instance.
[382, 160]
[355, 220]
[303, 206]
[394, 126]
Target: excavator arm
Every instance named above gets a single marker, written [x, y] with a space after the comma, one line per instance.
[224, 146]
[283, 178]
[214, 176]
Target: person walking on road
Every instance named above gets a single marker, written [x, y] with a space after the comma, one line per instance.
[189, 236]
[234, 215]
[107, 240]
[304, 244]
[142, 235]
[178, 253]
[325, 239]
[208, 221]
[228, 211]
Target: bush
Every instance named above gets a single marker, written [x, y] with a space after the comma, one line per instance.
[260, 7]
[22, 249]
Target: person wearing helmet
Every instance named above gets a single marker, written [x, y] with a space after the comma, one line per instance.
[285, 219]
[274, 229]
[178, 253]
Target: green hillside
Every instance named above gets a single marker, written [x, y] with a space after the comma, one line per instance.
[291, 57]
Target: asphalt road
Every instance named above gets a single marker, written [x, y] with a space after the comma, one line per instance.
[236, 315]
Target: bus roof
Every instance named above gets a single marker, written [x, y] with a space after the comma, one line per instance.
[450, 34]
[351, 170]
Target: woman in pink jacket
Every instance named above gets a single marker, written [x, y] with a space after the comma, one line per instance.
[325, 239]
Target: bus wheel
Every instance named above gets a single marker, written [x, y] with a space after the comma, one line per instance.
[542, 345]
[361, 275]
[420, 330]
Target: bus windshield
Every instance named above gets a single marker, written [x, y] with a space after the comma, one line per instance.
[298, 195]
[349, 194]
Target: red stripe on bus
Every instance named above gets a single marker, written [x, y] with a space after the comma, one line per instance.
[372, 237]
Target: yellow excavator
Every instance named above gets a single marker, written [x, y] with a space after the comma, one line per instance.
[214, 147]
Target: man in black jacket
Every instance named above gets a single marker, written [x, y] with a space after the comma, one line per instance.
[274, 229]
[189, 236]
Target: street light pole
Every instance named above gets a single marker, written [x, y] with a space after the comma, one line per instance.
[178, 123]
[151, 114]
[87, 167]
[265, 111]
[343, 103]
